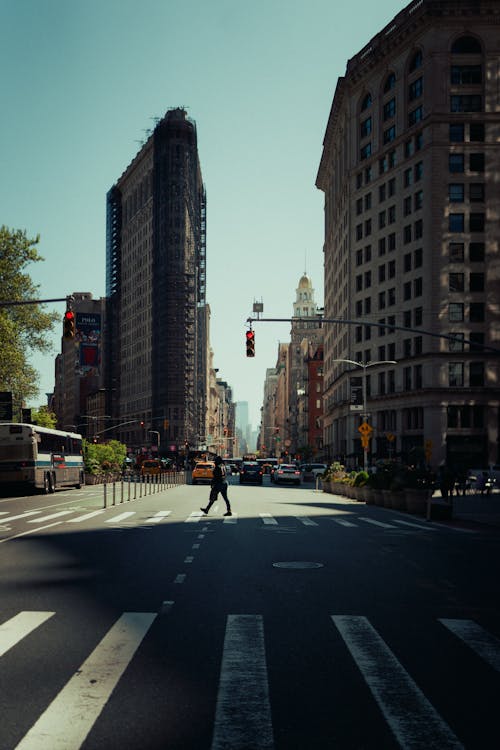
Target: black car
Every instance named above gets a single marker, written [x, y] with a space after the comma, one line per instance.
[250, 472]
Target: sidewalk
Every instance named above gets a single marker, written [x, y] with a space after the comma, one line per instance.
[478, 508]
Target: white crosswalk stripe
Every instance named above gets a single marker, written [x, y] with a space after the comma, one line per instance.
[242, 715]
[268, 519]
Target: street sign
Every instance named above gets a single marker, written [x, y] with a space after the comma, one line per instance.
[365, 429]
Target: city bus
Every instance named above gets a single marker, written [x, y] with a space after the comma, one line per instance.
[39, 458]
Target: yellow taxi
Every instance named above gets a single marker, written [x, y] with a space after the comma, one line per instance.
[150, 466]
[203, 472]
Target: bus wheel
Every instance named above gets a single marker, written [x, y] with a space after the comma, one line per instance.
[52, 483]
[46, 484]
[80, 482]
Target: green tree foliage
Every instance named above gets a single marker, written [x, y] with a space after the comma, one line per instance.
[105, 457]
[44, 417]
[23, 328]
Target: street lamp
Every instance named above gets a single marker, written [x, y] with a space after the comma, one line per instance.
[365, 414]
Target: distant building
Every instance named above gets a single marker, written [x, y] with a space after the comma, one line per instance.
[80, 368]
[409, 171]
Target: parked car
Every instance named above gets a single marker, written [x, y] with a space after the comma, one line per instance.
[203, 472]
[311, 471]
[286, 474]
[250, 472]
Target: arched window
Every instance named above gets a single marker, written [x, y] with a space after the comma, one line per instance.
[416, 61]
[367, 102]
[390, 82]
[466, 45]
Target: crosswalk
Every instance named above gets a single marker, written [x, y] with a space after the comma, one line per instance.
[243, 711]
[139, 518]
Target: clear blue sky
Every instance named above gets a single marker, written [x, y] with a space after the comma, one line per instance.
[81, 82]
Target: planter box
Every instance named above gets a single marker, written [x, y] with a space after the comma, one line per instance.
[416, 501]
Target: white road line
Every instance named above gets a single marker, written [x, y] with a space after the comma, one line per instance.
[195, 546]
[18, 627]
[180, 578]
[201, 536]
[158, 517]
[306, 521]
[268, 519]
[411, 717]
[52, 515]
[80, 519]
[230, 519]
[243, 712]
[194, 517]
[477, 638]
[377, 523]
[414, 525]
[22, 515]
[343, 522]
[33, 531]
[120, 517]
[69, 718]
[189, 559]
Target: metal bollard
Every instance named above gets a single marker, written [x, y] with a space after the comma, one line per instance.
[135, 486]
[128, 491]
[105, 494]
[114, 493]
[140, 485]
[121, 491]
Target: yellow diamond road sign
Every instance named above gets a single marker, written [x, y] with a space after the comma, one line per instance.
[365, 428]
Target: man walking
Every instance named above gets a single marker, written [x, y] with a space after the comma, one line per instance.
[218, 484]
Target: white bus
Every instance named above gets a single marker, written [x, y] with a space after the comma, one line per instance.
[38, 458]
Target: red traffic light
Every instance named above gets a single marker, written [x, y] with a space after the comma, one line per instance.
[250, 342]
[69, 324]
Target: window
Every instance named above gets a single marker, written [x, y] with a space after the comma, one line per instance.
[392, 269]
[368, 253]
[455, 374]
[456, 222]
[407, 318]
[407, 290]
[367, 102]
[476, 282]
[409, 148]
[476, 222]
[407, 206]
[359, 257]
[391, 187]
[389, 109]
[359, 180]
[417, 345]
[368, 227]
[390, 135]
[381, 220]
[476, 252]
[416, 61]
[391, 297]
[368, 279]
[359, 334]
[476, 312]
[366, 151]
[381, 383]
[368, 173]
[456, 282]
[466, 103]
[381, 273]
[476, 131]
[359, 232]
[368, 201]
[408, 177]
[418, 229]
[476, 374]
[391, 214]
[381, 246]
[381, 193]
[466, 45]
[359, 206]
[381, 300]
[415, 116]
[477, 340]
[456, 312]
[383, 165]
[359, 308]
[418, 257]
[390, 83]
[456, 252]
[457, 132]
[456, 192]
[415, 89]
[366, 127]
[418, 170]
[456, 344]
[407, 266]
[368, 333]
[476, 192]
[418, 200]
[407, 234]
[417, 287]
[476, 162]
[418, 315]
[359, 282]
[407, 378]
[456, 163]
[466, 74]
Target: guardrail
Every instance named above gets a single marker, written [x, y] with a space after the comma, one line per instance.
[148, 484]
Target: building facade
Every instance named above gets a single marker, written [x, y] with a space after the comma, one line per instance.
[409, 171]
[156, 276]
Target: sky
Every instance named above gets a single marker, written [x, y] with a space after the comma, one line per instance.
[81, 84]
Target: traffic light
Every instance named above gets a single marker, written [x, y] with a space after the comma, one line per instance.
[69, 324]
[250, 336]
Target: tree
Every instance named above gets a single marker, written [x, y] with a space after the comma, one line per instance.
[23, 328]
[43, 417]
[102, 458]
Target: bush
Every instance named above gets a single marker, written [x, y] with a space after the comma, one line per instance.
[360, 478]
[104, 458]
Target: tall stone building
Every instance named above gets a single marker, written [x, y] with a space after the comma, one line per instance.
[156, 273]
[409, 170]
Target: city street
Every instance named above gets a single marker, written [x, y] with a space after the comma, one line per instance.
[305, 621]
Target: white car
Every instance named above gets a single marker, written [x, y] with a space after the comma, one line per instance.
[480, 480]
[285, 473]
[311, 471]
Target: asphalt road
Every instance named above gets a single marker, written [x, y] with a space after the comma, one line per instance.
[304, 621]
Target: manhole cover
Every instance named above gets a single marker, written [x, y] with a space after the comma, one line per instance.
[297, 565]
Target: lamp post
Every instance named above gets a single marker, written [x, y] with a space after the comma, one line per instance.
[365, 413]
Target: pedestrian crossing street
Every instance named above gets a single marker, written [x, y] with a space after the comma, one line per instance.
[115, 517]
[243, 714]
